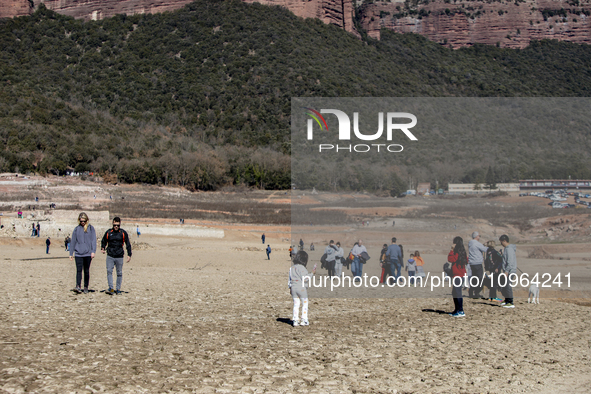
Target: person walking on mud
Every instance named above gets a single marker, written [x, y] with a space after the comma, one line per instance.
[83, 247]
[298, 287]
[47, 243]
[384, 264]
[268, 252]
[263, 238]
[338, 261]
[357, 265]
[394, 254]
[420, 264]
[476, 252]
[112, 244]
[458, 259]
[509, 268]
[330, 252]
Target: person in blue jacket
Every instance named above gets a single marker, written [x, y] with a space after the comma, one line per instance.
[83, 249]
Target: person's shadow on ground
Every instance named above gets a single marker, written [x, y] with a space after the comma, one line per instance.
[107, 292]
[489, 303]
[436, 311]
[284, 320]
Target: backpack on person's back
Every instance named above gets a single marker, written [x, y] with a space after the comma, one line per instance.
[448, 270]
[493, 260]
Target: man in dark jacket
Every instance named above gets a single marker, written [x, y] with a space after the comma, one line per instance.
[113, 241]
[493, 263]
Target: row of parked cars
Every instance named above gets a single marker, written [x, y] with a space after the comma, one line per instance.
[559, 197]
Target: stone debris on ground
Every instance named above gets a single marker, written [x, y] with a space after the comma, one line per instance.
[539, 253]
[137, 245]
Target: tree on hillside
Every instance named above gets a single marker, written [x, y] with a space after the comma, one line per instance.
[490, 179]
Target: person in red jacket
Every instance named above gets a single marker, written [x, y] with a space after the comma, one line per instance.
[458, 259]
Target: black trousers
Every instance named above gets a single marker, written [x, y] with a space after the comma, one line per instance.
[456, 293]
[478, 271]
[83, 263]
[493, 285]
[330, 267]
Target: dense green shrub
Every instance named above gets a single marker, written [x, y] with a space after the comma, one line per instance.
[201, 96]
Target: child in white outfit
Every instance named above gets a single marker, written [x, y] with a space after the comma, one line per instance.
[297, 287]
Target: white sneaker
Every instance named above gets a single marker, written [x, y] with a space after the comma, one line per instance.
[304, 323]
[296, 323]
[508, 306]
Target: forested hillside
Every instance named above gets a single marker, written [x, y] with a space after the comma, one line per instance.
[201, 97]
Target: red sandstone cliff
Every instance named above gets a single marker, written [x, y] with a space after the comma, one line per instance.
[451, 22]
[463, 23]
[100, 9]
[337, 12]
[12, 8]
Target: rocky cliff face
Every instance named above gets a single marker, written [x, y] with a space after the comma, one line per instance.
[100, 9]
[457, 23]
[337, 12]
[464, 23]
[12, 8]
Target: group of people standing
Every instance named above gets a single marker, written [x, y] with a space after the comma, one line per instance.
[474, 259]
[35, 230]
[333, 258]
[391, 260]
[293, 249]
[478, 258]
[83, 249]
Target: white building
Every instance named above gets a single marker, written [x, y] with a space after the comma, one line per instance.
[470, 188]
